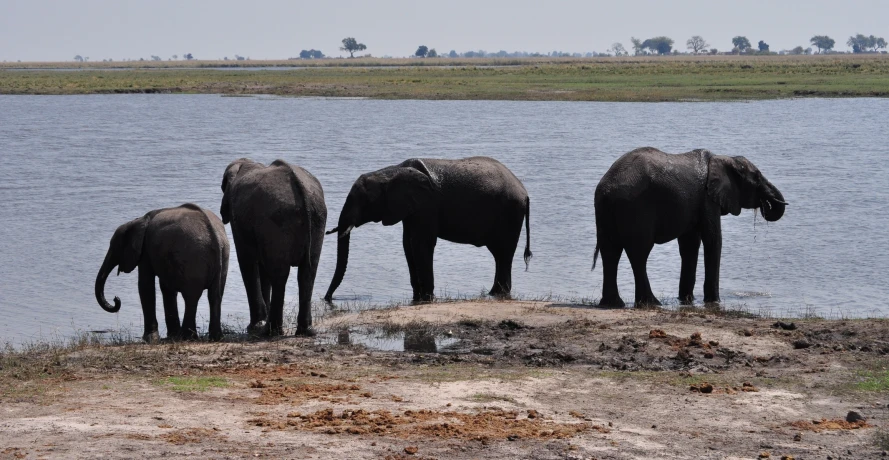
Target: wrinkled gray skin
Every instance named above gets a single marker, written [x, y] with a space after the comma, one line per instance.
[649, 197]
[277, 215]
[187, 250]
[474, 201]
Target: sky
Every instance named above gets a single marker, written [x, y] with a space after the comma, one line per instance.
[57, 30]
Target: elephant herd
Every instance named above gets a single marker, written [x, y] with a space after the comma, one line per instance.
[278, 217]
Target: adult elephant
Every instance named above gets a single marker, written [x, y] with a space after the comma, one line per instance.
[649, 197]
[277, 215]
[187, 250]
[474, 201]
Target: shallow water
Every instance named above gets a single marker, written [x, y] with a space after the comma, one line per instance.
[76, 167]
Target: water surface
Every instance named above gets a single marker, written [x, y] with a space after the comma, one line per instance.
[76, 167]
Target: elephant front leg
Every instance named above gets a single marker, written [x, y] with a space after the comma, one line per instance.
[147, 296]
[712, 256]
[411, 268]
[689, 247]
[423, 250]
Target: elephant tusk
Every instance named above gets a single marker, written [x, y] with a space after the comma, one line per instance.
[348, 229]
[334, 230]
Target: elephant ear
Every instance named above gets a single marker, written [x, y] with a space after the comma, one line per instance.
[723, 186]
[231, 172]
[408, 192]
[133, 237]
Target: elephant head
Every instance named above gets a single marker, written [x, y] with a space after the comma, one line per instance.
[124, 253]
[735, 183]
[231, 172]
[389, 195]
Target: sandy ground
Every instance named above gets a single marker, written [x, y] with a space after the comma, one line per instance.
[506, 380]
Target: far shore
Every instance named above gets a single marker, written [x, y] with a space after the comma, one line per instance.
[626, 79]
[466, 379]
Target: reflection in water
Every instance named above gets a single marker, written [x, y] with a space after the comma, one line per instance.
[419, 341]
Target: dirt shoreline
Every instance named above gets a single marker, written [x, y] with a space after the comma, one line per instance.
[506, 380]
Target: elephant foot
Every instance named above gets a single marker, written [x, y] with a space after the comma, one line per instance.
[216, 336]
[258, 329]
[152, 337]
[189, 335]
[687, 300]
[423, 298]
[305, 332]
[499, 293]
[612, 302]
[647, 301]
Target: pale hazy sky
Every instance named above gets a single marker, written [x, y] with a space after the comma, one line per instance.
[51, 30]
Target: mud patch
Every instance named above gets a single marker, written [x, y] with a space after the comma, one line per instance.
[829, 425]
[420, 341]
[301, 392]
[190, 436]
[425, 424]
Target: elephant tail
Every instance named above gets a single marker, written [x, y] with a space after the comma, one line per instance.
[528, 253]
[595, 257]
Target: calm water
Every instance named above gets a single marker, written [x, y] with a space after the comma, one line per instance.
[76, 167]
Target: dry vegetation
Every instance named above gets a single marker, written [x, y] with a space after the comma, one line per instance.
[581, 79]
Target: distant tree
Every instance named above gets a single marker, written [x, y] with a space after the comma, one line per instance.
[78, 58]
[155, 58]
[452, 54]
[618, 49]
[763, 46]
[696, 44]
[188, 56]
[714, 51]
[432, 53]
[304, 54]
[422, 51]
[351, 45]
[660, 45]
[823, 43]
[637, 46]
[175, 57]
[240, 58]
[798, 50]
[741, 43]
[310, 54]
[862, 44]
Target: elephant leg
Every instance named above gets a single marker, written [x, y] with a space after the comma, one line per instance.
[409, 255]
[638, 256]
[689, 246]
[306, 279]
[171, 311]
[214, 297]
[424, 250]
[503, 273]
[249, 265]
[712, 254]
[189, 317]
[147, 296]
[610, 260]
[276, 309]
[266, 288]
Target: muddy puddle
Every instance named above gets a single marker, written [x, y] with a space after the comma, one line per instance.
[420, 341]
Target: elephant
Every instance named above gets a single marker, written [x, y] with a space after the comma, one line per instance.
[649, 197]
[187, 250]
[473, 200]
[277, 215]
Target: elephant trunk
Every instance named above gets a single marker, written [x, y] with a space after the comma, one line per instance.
[773, 204]
[342, 259]
[107, 265]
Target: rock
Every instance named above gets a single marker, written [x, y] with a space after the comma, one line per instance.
[853, 417]
[798, 437]
[657, 334]
[411, 450]
[747, 333]
[764, 455]
[800, 344]
[784, 326]
[787, 457]
[533, 413]
[708, 355]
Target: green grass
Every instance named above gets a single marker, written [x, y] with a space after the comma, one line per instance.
[193, 384]
[594, 79]
[876, 381]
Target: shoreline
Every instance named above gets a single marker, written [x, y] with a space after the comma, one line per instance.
[480, 378]
[636, 79]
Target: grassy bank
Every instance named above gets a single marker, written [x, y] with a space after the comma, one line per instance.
[708, 78]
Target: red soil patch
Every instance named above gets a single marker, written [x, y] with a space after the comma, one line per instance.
[829, 425]
[423, 424]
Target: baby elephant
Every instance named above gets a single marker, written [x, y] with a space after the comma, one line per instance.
[186, 247]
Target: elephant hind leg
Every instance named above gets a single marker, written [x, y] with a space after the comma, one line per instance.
[276, 310]
[503, 273]
[610, 294]
[639, 261]
[689, 247]
[189, 318]
[171, 312]
[214, 296]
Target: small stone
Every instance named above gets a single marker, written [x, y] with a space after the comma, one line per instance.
[653, 427]
[798, 437]
[533, 413]
[800, 344]
[787, 457]
[708, 355]
[513, 437]
[411, 450]
[764, 455]
[853, 417]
